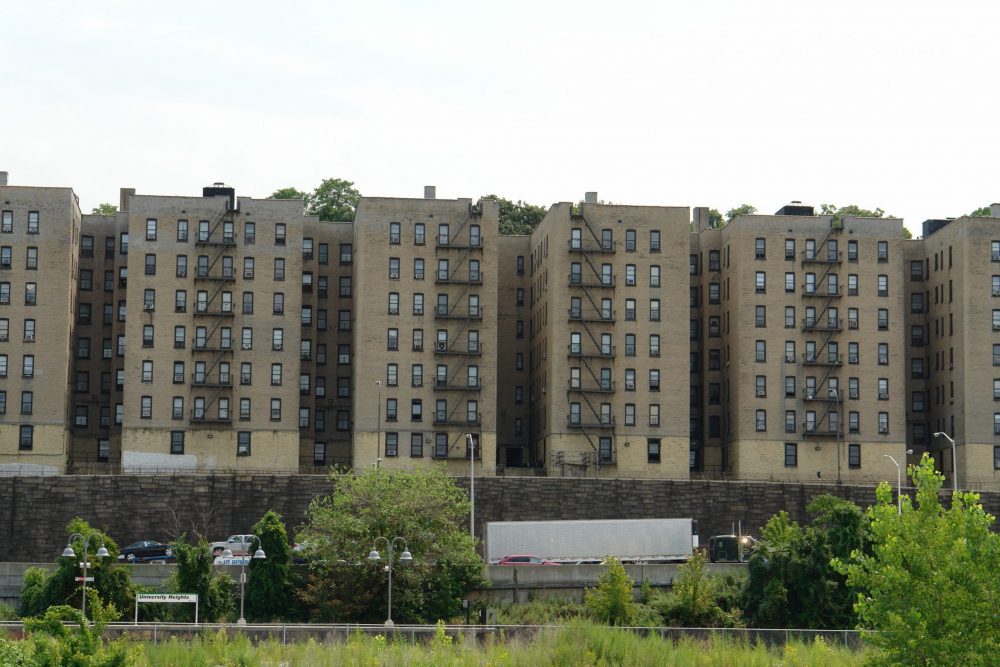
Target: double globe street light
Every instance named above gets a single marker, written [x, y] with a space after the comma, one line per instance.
[258, 555]
[405, 558]
[68, 552]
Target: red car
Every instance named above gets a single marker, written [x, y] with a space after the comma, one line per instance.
[525, 560]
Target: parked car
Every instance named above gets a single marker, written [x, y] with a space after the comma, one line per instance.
[525, 560]
[240, 545]
[146, 551]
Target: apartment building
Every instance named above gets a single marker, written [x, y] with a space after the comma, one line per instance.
[425, 332]
[39, 238]
[805, 375]
[608, 380]
[954, 353]
[514, 445]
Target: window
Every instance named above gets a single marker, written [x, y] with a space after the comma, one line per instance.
[760, 282]
[883, 251]
[883, 354]
[760, 351]
[275, 409]
[760, 420]
[150, 264]
[853, 456]
[790, 249]
[416, 410]
[791, 455]
[520, 265]
[392, 375]
[177, 442]
[883, 422]
[243, 443]
[31, 263]
[7, 226]
[883, 285]
[790, 421]
[789, 281]
[654, 379]
[654, 240]
[759, 249]
[654, 414]
[629, 240]
[26, 437]
[32, 222]
[760, 316]
[151, 229]
[146, 407]
[279, 268]
[416, 445]
[30, 294]
[394, 303]
[760, 386]
[27, 402]
[630, 275]
[883, 319]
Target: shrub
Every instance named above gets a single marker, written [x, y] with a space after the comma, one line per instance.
[611, 602]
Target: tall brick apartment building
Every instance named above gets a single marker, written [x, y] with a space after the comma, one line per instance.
[225, 333]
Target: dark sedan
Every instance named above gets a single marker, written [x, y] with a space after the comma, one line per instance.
[147, 551]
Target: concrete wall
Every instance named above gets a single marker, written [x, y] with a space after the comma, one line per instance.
[35, 510]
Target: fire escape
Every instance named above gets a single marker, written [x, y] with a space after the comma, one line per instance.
[822, 293]
[213, 308]
[591, 319]
[458, 276]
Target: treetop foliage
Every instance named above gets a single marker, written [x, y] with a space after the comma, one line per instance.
[104, 209]
[334, 199]
[517, 217]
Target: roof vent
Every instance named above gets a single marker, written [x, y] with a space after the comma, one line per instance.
[994, 208]
[795, 207]
[430, 192]
[3, 178]
[590, 198]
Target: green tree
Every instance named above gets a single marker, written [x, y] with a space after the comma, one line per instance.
[194, 575]
[270, 593]
[426, 509]
[517, 217]
[839, 212]
[742, 209]
[611, 602]
[334, 199]
[62, 637]
[791, 582]
[104, 209]
[112, 582]
[930, 593]
[288, 193]
[715, 218]
[907, 234]
[697, 600]
[982, 212]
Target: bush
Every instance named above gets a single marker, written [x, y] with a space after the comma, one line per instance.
[194, 575]
[611, 602]
[700, 601]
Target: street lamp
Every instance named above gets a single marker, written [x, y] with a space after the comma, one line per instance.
[471, 442]
[954, 461]
[404, 559]
[899, 481]
[258, 555]
[378, 442]
[69, 553]
[840, 427]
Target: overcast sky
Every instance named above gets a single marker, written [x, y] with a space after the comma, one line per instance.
[890, 104]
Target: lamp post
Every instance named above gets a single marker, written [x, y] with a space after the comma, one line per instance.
[258, 555]
[954, 461]
[404, 559]
[68, 552]
[378, 442]
[471, 442]
[840, 428]
[899, 481]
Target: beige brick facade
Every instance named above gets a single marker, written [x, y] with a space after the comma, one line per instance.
[221, 333]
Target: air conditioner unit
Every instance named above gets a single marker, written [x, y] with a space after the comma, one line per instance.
[629, 281]
[248, 274]
[442, 346]
[761, 393]
[883, 429]
[394, 275]
[148, 307]
[279, 310]
[276, 346]
[3, 338]
[181, 273]
[29, 337]
[244, 379]
[247, 346]
[883, 396]
[630, 386]
[810, 395]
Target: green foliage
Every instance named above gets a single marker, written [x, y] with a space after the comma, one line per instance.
[63, 637]
[791, 582]
[611, 602]
[715, 218]
[334, 199]
[427, 510]
[700, 601]
[288, 193]
[742, 209]
[907, 234]
[7, 613]
[104, 209]
[112, 582]
[194, 574]
[931, 592]
[982, 212]
[270, 594]
[517, 217]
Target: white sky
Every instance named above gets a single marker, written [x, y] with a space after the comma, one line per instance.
[890, 104]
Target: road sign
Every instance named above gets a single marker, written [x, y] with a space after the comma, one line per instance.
[84, 578]
[166, 597]
[236, 560]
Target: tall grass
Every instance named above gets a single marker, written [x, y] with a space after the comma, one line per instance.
[578, 645]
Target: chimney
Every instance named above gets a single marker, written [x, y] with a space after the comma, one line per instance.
[700, 219]
[994, 208]
[123, 195]
[590, 198]
[430, 192]
[3, 178]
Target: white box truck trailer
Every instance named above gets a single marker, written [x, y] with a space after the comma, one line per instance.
[629, 540]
